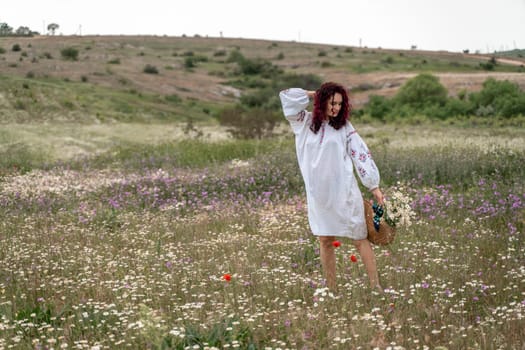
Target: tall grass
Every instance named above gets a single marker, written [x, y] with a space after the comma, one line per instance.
[131, 249]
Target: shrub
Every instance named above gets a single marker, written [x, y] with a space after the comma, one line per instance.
[378, 107]
[2, 50]
[261, 98]
[388, 60]
[235, 57]
[498, 97]
[457, 107]
[510, 106]
[305, 81]
[266, 94]
[69, 53]
[189, 63]
[16, 47]
[174, 98]
[492, 90]
[422, 91]
[258, 66]
[243, 123]
[150, 69]
[487, 66]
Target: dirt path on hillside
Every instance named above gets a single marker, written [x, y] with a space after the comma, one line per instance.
[511, 61]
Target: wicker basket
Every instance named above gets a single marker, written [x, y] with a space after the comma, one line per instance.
[385, 235]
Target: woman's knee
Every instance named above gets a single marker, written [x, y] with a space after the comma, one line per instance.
[359, 243]
[326, 241]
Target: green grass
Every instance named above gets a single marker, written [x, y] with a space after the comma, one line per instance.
[49, 99]
[371, 60]
[186, 153]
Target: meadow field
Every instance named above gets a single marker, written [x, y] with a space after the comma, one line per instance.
[145, 236]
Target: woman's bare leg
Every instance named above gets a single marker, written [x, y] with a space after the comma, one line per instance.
[328, 260]
[369, 260]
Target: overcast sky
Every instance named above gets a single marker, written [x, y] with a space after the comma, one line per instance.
[453, 25]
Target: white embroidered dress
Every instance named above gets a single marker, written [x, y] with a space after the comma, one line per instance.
[327, 160]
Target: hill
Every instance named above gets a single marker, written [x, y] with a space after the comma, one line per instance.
[141, 78]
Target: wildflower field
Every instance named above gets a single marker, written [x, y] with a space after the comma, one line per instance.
[206, 245]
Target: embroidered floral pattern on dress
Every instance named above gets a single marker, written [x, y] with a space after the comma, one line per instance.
[300, 116]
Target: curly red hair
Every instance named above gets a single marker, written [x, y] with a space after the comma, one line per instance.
[321, 99]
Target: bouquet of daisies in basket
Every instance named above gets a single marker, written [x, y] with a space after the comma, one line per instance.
[383, 221]
[397, 209]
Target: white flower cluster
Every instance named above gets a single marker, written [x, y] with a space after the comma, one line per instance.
[398, 209]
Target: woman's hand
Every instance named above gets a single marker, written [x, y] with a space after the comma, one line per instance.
[378, 196]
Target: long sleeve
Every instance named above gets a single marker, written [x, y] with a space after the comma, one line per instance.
[362, 159]
[294, 103]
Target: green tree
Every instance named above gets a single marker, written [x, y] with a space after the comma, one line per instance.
[422, 91]
[5, 29]
[23, 31]
[52, 27]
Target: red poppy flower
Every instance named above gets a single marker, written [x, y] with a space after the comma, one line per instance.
[336, 244]
[353, 258]
[227, 277]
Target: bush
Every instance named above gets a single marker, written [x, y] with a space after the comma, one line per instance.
[150, 69]
[457, 107]
[258, 66]
[16, 47]
[266, 95]
[422, 91]
[235, 57]
[378, 107]
[243, 123]
[494, 89]
[503, 98]
[69, 53]
[189, 63]
[305, 81]
[512, 106]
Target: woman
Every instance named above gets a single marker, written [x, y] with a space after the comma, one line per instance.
[328, 148]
